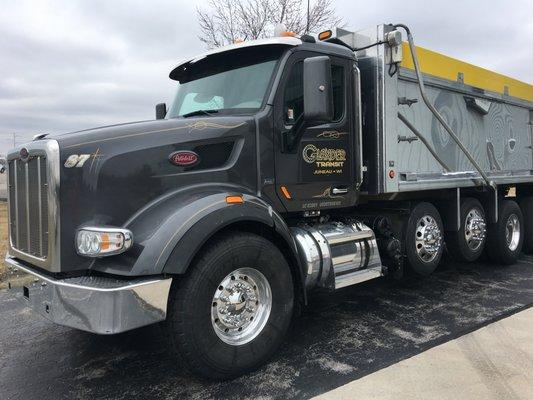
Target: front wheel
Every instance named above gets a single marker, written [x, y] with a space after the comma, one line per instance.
[232, 309]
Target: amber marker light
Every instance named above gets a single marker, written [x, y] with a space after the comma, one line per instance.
[105, 241]
[234, 199]
[288, 34]
[286, 193]
[325, 35]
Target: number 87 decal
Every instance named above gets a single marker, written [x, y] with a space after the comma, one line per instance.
[76, 160]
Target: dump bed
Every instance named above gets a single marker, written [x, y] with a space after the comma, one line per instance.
[492, 115]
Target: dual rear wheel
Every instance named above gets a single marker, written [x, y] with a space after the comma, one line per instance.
[424, 235]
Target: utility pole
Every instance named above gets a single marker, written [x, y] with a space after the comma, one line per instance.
[14, 143]
[307, 25]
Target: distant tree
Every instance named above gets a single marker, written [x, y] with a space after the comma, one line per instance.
[226, 21]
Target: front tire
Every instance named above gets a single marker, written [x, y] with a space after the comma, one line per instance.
[231, 311]
[505, 238]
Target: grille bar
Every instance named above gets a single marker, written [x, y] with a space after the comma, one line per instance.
[27, 182]
[16, 202]
[39, 195]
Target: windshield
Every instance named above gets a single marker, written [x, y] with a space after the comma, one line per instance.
[225, 83]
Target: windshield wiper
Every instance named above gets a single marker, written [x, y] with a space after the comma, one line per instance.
[199, 112]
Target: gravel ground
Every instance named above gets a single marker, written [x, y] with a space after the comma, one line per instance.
[338, 338]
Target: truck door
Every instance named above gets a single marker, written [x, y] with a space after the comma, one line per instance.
[318, 171]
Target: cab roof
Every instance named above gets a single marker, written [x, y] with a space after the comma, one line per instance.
[281, 41]
[289, 41]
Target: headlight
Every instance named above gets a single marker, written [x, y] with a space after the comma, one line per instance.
[99, 242]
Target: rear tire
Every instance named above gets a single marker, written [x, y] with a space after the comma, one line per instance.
[467, 244]
[423, 239]
[526, 205]
[231, 311]
[505, 238]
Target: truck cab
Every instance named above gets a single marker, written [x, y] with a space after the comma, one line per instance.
[302, 152]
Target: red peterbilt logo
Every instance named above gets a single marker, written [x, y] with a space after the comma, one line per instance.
[184, 158]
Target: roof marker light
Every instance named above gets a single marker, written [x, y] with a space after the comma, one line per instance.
[280, 30]
[325, 35]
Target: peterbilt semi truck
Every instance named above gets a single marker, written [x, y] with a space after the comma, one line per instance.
[283, 166]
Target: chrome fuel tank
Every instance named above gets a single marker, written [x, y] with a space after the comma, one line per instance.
[338, 254]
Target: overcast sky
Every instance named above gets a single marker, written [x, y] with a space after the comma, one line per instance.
[70, 65]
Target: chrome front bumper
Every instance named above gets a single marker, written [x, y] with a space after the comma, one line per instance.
[95, 304]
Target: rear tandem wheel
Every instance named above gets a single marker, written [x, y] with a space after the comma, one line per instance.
[505, 238]
[423, 239]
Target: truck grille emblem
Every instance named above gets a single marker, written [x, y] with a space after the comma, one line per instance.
[24, 154]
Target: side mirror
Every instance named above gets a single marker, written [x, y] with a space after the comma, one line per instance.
[318, 96]
[160, 111]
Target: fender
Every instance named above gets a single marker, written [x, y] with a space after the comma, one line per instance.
[171, 230]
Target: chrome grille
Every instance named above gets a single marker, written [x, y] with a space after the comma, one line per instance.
[33, 196]
[28, 195]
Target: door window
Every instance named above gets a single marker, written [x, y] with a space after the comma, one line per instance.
[293, 104]
[337, 80]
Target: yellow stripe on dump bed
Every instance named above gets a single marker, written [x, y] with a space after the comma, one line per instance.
[445, 67]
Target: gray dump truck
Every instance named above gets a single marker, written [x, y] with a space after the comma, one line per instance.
[283, 166]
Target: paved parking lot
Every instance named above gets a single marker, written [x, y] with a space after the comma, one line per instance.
[493, 362]
[338, 338]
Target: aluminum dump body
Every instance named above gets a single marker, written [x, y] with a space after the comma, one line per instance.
[491, 114]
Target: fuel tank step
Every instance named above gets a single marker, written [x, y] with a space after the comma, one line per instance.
[338, 254]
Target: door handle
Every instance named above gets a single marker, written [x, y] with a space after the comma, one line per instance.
[339, 190]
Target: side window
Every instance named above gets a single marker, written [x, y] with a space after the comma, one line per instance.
[293, 101]
[337, 79]
[293, 97]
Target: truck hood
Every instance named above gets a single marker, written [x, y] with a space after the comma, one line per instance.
[121, 132]
[108, 174]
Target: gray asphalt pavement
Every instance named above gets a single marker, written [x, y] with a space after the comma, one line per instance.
[338, 338]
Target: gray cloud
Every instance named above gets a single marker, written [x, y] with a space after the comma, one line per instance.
[73, 64]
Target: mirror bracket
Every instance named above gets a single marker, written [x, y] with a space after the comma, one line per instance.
[291, 137]
[160, 111]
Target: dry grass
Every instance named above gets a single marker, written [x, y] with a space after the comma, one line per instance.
[3, 238]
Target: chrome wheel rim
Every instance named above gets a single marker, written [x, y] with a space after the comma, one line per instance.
[428, 238]
[512, 232]
[475, 229]
[241, 306]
